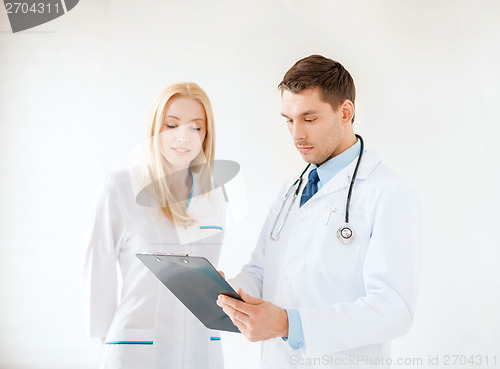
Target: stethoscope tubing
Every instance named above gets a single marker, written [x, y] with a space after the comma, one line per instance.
[348, 202]
[298, 183]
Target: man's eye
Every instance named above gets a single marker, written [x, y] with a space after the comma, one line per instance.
[289, 121]
[309, 120]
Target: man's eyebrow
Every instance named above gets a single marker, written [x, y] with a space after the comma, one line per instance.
[308, 112]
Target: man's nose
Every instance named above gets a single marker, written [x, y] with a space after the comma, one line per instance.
[298, 132]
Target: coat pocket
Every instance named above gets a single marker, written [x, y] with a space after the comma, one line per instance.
[129, 348]
[329, 255]
[211, 230]
[130, 335]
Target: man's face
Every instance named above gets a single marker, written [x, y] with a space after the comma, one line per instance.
[317, 130]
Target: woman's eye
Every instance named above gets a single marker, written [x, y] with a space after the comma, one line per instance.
[195, 128]
[170, 126]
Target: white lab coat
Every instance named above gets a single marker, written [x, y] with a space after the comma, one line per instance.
[144, 309]
[353, 299]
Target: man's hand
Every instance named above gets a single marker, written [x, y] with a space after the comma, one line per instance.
[257, 319]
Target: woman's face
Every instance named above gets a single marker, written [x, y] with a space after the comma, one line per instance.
[183, 131]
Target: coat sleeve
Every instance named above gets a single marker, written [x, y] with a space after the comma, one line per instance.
[99, 279]
[252, 274]
[391, 273]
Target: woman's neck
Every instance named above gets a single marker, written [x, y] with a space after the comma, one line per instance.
[180, 183]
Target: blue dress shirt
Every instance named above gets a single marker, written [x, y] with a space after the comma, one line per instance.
[326, 172]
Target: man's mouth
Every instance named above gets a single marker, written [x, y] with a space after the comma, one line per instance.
[304, 149]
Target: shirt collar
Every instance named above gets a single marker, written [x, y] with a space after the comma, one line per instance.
[330, 168]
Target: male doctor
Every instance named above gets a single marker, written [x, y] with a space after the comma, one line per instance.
[315, 299]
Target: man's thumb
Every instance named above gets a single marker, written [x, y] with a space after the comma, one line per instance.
[249, 299]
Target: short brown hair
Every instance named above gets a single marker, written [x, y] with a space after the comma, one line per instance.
[334, 81]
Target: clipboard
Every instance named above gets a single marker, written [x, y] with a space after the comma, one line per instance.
[196, 283]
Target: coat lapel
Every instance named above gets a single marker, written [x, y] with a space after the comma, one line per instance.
[342, 180]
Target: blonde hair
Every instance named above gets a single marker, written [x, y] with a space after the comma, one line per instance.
[157, 164]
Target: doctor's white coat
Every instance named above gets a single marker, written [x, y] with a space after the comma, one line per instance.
[353, 299]
[144, 310]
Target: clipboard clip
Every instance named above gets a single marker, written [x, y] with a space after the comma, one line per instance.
[158, 254]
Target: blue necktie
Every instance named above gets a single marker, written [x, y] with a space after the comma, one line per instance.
[311, 187]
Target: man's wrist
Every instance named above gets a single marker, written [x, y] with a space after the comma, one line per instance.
[284, 330]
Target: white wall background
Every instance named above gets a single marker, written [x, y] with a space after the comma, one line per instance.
[74, 96]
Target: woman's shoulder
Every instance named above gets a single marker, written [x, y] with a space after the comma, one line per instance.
[118, 177]
[116, 184]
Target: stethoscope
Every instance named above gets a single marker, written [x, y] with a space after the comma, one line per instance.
[345, 234]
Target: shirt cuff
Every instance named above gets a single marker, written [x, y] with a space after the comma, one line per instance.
[295, 334]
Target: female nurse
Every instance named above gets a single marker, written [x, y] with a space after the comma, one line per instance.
[167, 205]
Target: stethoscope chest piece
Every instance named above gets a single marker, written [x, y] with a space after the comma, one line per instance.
[345, 234]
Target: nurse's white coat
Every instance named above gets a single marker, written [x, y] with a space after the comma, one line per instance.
[144, 309]
[353, 299]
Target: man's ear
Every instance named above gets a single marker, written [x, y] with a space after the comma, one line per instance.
[347, 111]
